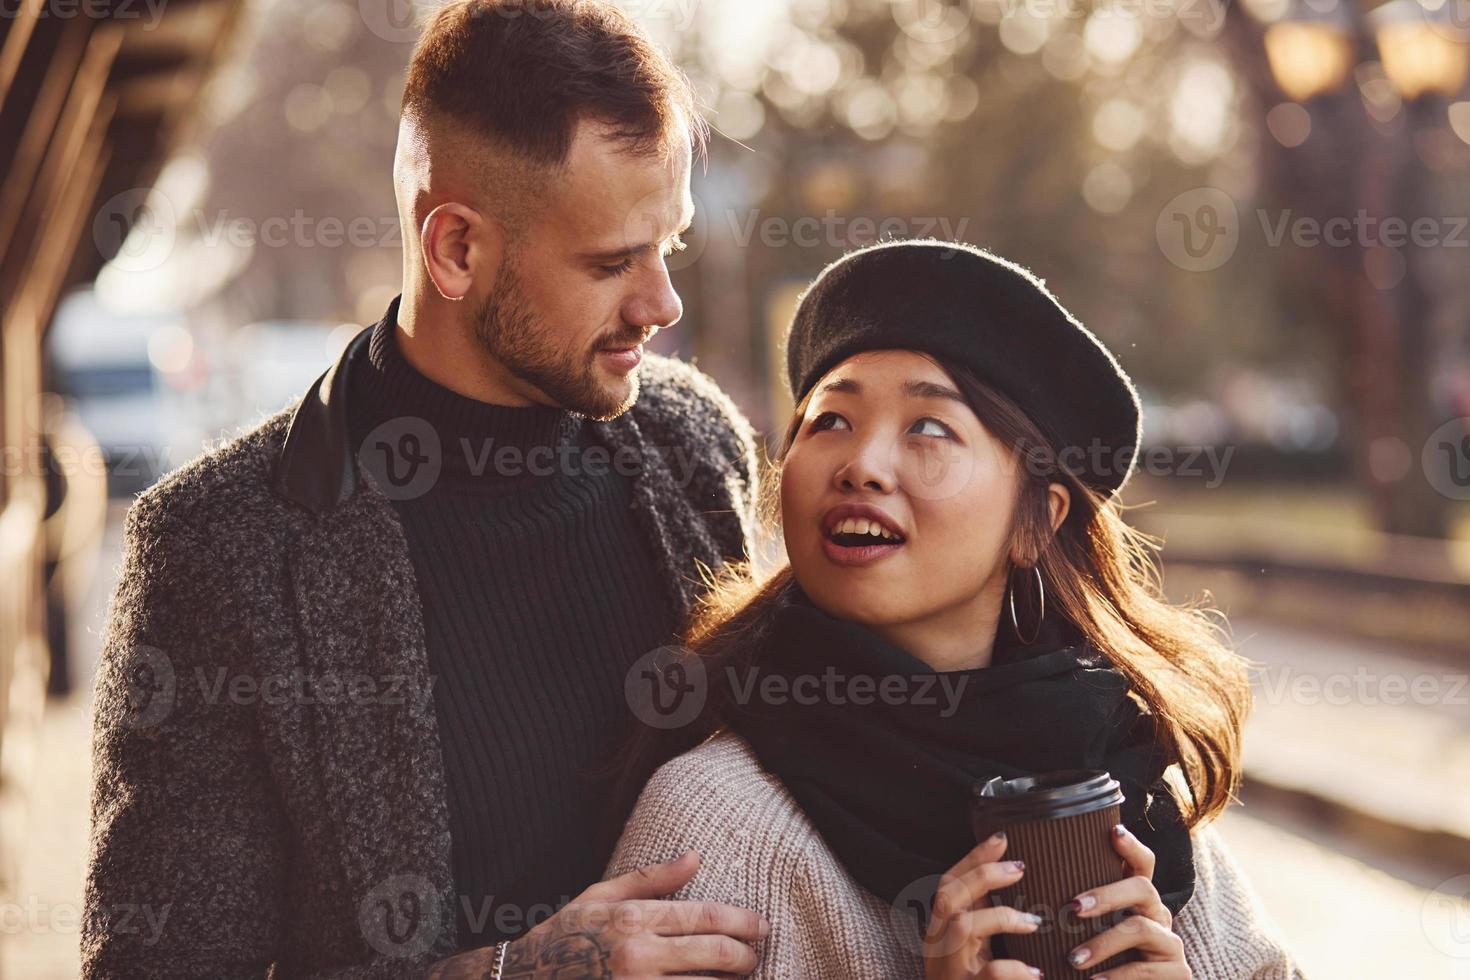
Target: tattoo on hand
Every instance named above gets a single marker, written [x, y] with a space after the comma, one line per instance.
[572, 956]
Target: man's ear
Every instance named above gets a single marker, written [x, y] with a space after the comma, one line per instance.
[459, 245]
[1058, 503]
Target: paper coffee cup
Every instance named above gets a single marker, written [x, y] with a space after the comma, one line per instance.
[1060, 824]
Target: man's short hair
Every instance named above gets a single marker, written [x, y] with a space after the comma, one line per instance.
[524, 72]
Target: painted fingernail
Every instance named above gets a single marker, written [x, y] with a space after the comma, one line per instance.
[1079, 956]
[1031, 918]
[1084, 902]
[997, 837]
[1017, 865]
[1036, 973]
[1118, 831]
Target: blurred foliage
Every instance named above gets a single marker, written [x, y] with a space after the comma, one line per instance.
[1055, 132]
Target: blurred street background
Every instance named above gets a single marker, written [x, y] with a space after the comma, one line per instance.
[1261, 206]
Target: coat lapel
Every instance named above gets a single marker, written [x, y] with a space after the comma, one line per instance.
[665, 515]
[376, 744]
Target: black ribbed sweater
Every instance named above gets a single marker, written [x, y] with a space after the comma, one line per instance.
[538, 594]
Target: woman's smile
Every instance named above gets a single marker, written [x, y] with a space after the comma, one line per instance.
[856, 534]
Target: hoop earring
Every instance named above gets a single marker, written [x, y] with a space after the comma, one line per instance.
[1041, 591]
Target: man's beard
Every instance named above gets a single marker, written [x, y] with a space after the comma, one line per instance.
[511, 332]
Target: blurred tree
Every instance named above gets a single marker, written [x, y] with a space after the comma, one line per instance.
[1058, 133]
[301, 165]
[1350, 140]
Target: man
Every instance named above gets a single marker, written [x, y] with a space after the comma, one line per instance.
[363, 662]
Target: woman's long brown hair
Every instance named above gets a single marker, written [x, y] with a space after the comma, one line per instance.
[1099, 572]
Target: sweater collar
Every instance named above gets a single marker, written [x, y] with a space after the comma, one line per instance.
[477, 440]
[319, 466]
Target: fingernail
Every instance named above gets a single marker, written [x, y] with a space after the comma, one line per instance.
[1079, 956]
[765, 928]
[1031, 918]
[1036, 973]
[1118, 831]
[997, 837]
[1017, 865]
[1084, 902]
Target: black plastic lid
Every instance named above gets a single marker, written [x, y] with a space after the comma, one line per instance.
[1045, 796]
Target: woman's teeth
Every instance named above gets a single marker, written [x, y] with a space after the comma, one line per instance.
[861, 525]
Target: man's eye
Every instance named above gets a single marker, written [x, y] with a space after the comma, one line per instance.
[945, 432]
[621, 269]
[826, 420]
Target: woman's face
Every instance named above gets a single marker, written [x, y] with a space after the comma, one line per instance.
[896, 502]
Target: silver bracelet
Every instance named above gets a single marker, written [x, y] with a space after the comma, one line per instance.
[499, 961]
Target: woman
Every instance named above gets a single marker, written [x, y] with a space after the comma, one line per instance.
[963, 600]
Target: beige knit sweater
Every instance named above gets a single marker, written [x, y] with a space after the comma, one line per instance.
[761, 852]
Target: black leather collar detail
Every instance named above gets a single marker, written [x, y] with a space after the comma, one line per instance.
[315, 468]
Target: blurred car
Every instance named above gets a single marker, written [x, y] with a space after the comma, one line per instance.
[112, 370]
[272, 362]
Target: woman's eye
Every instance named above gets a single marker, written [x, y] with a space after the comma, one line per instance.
[620, 269]
[944, 432]
[826, 420]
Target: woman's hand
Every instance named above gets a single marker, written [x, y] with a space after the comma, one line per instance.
[1149, 929]
[957, 945]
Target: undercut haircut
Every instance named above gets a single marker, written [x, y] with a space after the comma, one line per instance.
[523, 73]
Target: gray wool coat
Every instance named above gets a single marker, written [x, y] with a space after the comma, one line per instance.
[268, 794]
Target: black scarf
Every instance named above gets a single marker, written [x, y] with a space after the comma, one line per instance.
[888, 783]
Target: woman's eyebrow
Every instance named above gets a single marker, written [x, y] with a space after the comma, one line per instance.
[914, 389]
[845, 385]
[928, 389]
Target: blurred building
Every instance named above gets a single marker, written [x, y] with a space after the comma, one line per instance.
[92, 98]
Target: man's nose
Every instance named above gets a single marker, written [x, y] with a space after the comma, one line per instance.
[654, 303]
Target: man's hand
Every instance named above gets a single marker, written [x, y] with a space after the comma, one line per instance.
[620, 929]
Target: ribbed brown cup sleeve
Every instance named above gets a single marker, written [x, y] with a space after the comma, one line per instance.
[1063, 857]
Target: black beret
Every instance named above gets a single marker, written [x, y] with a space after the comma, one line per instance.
[962, 303]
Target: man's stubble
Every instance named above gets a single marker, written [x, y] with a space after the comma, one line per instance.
[511, 332]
